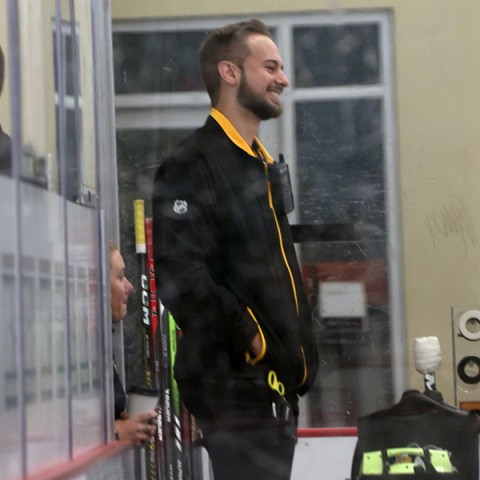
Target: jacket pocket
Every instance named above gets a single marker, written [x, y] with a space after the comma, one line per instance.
[253, 360]
[244, 398]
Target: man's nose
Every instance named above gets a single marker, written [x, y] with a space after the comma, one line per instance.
[282, 79]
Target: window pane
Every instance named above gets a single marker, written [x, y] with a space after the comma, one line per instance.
[43, 289]
[84, 304]
[156, 62]
[336, 55]
[72, 160]
[340, 164]
[66, 44]
[344, 255]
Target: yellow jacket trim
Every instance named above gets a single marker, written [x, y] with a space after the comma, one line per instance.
[305, 371]
[260, 356]
[237, 139]
[292, 281]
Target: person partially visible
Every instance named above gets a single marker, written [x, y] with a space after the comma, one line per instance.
[5, 141]
[141, 427]
[227, 269]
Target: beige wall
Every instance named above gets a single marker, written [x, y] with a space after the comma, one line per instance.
[38, 114]
[437, 63]
[438, 78]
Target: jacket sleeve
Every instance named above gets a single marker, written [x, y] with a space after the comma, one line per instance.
[188, 261]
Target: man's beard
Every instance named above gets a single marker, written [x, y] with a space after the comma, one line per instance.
[255, 103]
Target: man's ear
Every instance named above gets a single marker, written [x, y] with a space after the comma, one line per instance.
[229, 72]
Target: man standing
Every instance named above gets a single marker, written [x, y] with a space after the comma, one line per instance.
[227, 269]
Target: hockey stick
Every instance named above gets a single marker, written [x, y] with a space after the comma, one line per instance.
[141, 253]
[167, 397]
[176, 401]
[156, 348]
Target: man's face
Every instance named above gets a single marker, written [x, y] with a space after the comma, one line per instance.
[262, 80]
[120, 287]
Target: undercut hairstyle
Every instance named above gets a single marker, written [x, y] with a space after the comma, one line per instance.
[2, 69]
[226, 43]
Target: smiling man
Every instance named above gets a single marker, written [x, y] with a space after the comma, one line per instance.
[226, 265]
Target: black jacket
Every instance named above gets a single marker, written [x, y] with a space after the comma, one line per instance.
[226, 266]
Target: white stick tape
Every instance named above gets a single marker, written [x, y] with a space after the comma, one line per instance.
[427, 354]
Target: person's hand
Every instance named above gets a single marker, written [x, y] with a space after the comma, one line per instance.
[256, 345]
[138, 429]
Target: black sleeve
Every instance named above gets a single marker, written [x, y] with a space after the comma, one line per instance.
[187, 253]
[119, 395]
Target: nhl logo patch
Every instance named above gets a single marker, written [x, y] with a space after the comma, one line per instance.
[180, 207]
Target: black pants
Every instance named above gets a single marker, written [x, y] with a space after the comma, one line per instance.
[248, 429]
[258, 453]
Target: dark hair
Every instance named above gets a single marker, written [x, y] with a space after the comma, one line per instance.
[226, 43]
[2, 69]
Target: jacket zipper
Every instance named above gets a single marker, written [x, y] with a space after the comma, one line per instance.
[294, 290]
[280, 239]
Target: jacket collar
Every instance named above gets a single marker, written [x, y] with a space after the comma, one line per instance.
[258, 150]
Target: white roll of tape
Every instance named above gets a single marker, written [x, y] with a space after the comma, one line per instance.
[469, 324]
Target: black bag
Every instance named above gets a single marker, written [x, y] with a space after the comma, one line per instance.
[418, 419]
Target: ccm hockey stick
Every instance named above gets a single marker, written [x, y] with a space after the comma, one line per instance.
[141, 253]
